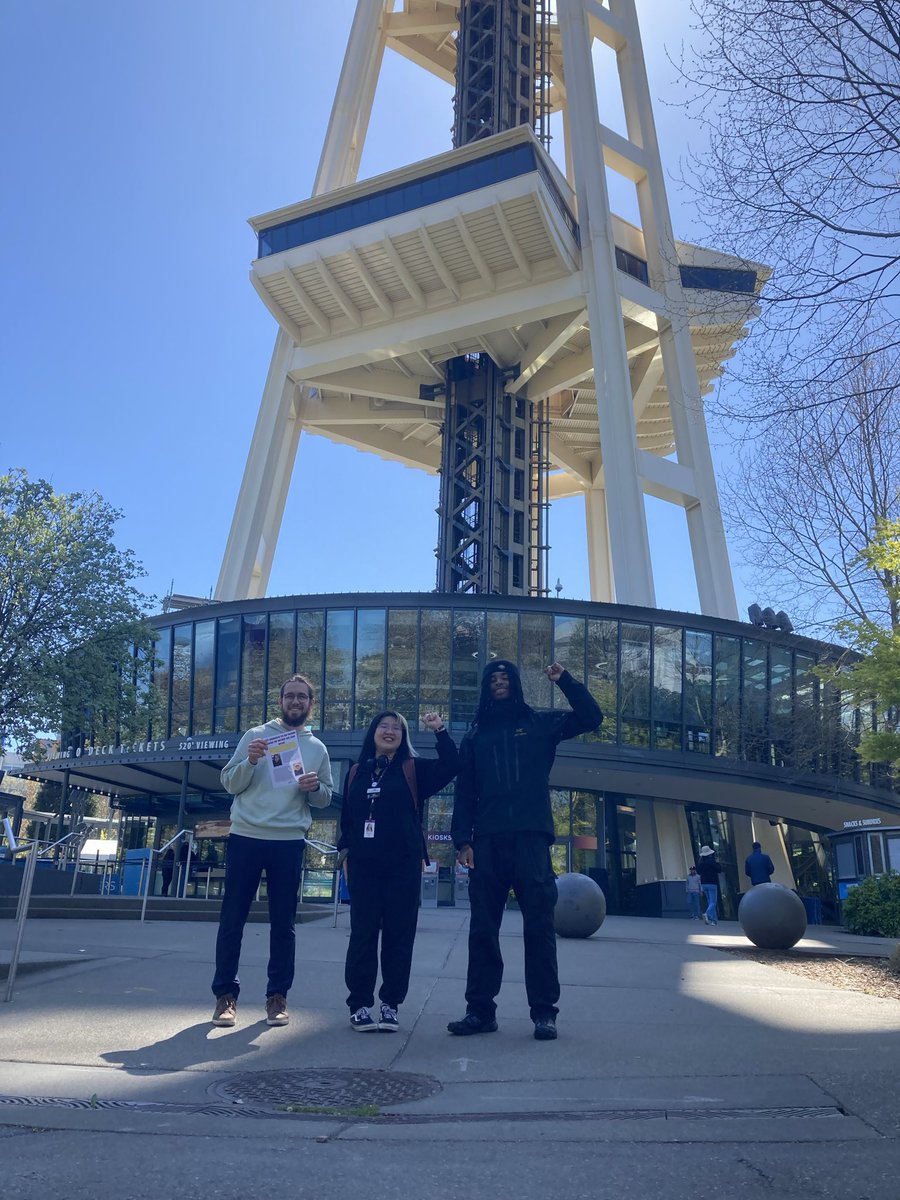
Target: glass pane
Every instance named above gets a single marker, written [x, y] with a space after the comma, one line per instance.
[369, 665]
[503, 636]
[807, 733]
[253, 670]
[728, 696]
[181, 679]
[755, 697]
[434, 671]
[227, 666]
[468, 660]
[561, 807]
[569, 645]
[338, 669]
[697, 691]
[602, 657]
[876, 853]
[204, 646]
[634, 698]
[403, 644]
[780, 705]
[281, 658]
[537, 632]
[310, 660]
[666, 688]
[161, 666]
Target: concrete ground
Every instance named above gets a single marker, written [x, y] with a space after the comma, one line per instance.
[680, 1072]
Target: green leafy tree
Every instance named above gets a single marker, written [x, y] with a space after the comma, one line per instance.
[875, 678]
[75, 647]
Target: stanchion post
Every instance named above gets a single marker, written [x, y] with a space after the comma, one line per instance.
[21, 918]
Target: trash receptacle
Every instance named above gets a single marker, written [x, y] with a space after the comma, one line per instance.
[813, 906]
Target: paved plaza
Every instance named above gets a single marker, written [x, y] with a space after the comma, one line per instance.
[680, 1071]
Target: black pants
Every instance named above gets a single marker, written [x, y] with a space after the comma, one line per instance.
[384, 900]
[520, 861]
[245, 860]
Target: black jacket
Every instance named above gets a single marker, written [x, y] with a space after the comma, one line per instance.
[398, 821]
[709, 869]
[503, 784]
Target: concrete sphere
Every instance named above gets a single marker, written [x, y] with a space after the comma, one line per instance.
[772, 916]
[580, 906]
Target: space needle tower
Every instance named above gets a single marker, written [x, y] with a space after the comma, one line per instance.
[485, 315]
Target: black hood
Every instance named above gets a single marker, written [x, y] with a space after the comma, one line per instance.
[492, 710]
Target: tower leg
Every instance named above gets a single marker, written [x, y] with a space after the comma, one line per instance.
[629, 541]
[250, 549]
[706, 530]
[603, 588]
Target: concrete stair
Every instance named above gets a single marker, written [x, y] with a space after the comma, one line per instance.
[128, 908]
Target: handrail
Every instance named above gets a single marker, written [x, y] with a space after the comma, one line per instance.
[31, 848]
[327, 848]
[187, 866]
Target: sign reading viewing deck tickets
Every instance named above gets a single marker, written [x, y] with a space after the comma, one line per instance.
[283, 758]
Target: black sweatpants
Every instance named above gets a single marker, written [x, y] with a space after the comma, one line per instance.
[384, 900]
[520, 861]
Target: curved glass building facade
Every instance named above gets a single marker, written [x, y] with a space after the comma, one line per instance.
[714, 731]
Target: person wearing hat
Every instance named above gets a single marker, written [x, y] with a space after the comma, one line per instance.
[502, 828]
[709, 869]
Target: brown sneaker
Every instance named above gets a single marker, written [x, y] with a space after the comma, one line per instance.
[276, 1010]
[226, 1010]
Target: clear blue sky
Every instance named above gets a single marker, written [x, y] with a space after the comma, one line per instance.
[140, 135]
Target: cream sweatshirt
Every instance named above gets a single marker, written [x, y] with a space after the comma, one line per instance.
[277, 814]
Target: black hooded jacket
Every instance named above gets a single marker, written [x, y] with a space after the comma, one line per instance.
[503, 785]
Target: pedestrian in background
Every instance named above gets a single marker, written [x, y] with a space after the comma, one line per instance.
[758, 868]
[692, 887]
[708, 868]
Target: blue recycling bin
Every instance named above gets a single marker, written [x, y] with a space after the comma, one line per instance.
[813, 906]
[137, 863]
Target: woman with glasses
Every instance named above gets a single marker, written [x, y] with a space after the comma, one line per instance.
[381, 833]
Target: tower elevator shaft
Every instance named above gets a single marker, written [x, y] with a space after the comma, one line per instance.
[493, 508]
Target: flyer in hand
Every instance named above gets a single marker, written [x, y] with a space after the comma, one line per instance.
[284, 759]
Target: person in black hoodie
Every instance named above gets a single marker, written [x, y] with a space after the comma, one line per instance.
[503, 827]
[381, 832]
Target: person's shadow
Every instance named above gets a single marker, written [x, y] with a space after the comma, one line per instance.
[189, 1047]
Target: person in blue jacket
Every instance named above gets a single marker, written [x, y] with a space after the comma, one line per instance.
[759, 868]
[502, 828]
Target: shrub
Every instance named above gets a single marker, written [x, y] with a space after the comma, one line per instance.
[873, 908]
[894, 961]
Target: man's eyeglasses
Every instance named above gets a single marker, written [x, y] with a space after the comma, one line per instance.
[295, 696]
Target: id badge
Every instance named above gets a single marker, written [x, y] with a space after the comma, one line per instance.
[369, 829]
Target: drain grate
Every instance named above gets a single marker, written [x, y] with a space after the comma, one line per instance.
[327, 1088]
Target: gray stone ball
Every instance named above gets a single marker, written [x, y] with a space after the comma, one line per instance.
[773, 917]
[580, 906]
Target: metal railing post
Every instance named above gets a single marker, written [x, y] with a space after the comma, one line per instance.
[21, 917]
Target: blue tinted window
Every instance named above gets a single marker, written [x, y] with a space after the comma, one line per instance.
[518, 160]
[717, 279]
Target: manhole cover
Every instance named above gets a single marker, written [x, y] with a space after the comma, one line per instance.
[327, 1087]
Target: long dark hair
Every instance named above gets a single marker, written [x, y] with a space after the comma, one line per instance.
[404, 750]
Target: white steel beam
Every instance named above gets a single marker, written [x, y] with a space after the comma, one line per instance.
[249, 551]
[629, 541]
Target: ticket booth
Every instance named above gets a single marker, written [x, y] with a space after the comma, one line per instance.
[862, 848]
